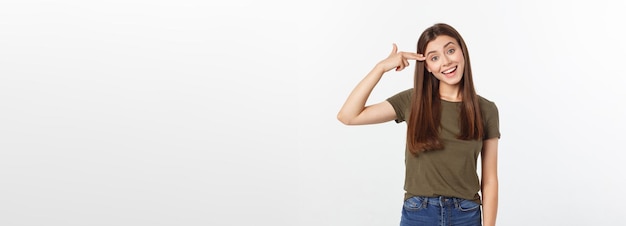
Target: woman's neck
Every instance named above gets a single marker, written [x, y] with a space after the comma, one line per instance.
[450, 92]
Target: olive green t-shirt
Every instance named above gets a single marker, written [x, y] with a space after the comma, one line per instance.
[451, 171]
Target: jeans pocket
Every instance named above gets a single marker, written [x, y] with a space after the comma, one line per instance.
[414, 203]
[467, 205]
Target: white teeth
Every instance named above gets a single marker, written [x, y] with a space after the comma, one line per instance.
[450, 70]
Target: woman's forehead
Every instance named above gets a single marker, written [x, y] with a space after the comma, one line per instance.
[440, 42]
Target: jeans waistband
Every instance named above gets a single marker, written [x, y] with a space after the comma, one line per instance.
[441, 200]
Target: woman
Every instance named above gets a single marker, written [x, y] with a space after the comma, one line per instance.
[448, 127]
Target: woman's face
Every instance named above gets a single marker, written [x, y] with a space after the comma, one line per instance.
[444, 59]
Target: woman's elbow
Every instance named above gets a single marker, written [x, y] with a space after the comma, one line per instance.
[343, 119]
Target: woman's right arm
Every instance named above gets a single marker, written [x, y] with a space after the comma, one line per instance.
[354, 111]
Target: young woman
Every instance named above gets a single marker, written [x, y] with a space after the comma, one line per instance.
[448, 127]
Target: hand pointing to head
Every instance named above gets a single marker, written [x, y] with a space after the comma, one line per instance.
[399, 60]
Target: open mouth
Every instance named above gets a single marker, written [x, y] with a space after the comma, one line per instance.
[450, 71]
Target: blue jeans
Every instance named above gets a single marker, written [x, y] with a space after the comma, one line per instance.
[440, 211]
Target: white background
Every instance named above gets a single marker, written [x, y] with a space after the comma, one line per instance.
[204, 113]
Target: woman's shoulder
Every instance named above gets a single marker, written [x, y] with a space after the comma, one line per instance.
[484, 100]
[403, 95]
[487, 104]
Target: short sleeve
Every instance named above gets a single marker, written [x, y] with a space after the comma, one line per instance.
[401, 103]
[491, 119]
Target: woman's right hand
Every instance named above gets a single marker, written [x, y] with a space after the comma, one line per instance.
[399, 60]
[354, 111]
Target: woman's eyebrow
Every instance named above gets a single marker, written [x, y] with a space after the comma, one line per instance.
[444, 46]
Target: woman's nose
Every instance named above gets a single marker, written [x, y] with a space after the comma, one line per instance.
[444, 61]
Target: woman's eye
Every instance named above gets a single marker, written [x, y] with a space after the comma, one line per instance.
[451, 51]
[434, 58]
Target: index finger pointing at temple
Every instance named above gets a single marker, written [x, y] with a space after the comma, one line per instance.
[413, 56]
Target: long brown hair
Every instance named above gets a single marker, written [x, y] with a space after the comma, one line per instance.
[425, 119]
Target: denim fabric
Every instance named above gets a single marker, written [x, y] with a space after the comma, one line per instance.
[440, 211]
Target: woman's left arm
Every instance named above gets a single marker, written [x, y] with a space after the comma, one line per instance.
[489, 181]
